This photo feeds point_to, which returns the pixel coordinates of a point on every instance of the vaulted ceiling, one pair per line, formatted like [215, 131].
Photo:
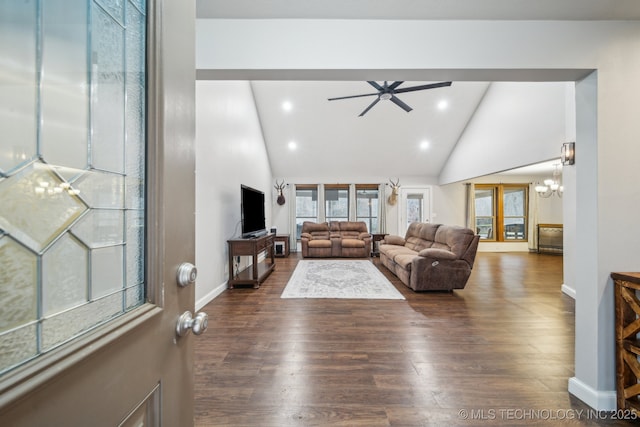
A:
[331, 140]
[330, 137]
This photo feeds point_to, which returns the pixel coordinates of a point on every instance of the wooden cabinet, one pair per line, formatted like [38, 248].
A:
[550, 238]
[376, 238]
[626, 287]
[281, 243]
[258, 271]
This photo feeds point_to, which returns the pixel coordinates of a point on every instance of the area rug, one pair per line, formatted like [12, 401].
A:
[357, 279]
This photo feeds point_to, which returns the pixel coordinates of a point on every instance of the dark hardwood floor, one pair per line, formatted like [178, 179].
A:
[499, 352]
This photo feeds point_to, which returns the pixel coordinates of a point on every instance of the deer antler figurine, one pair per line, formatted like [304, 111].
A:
[280, 187]
[395, 186]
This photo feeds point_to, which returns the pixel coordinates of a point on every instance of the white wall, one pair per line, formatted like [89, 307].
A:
[451, 200]
[282, 214]
[230, 151]
[606, 175]
[448, 205]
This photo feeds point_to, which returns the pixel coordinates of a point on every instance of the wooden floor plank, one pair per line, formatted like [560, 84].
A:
[471, 357]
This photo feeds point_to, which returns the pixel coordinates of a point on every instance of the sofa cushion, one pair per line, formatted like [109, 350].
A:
[394, 240]
[310, 227]
[320, 243]
[320, 235]
[404, 260]
[352, 243]
[421, 235]
[314, 231]
[349, 234]
[453, 238]
[437, 253]
[392, 251]
[356, 226]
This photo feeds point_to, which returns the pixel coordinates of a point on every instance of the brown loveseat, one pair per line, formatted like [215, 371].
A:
[335, 239]
[431, 256]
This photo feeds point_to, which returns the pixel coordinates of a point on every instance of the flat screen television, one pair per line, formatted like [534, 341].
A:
[252, 212]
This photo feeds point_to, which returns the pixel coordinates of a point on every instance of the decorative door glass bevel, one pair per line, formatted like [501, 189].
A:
[107, 90]
[72, 169]
[18, 345]
[68, 324]
[37, 206]
[64, 98]
[18, 91]
[134, 192]
[135, 247]
[115, 8]
[135, 92]
[65, 270]
[18, 286]
[101, 227]
[134, 296]
[107, 270]
[69, 175]
[101, 189]
[141, 5]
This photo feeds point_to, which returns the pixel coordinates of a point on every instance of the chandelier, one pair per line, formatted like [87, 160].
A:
[551, 186]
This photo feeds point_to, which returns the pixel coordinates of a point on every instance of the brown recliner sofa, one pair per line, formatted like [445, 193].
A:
[431, 256]
[335, 239]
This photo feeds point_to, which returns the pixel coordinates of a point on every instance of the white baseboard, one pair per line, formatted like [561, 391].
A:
[568, 291]
[598, 400]
[210, 296]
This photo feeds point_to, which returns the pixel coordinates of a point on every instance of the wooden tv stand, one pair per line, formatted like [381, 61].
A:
[256, 273]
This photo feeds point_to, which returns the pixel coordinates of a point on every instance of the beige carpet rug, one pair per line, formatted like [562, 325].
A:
[355, 279]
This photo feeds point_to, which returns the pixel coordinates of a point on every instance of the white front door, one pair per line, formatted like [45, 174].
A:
[415, 206]
[97, 202]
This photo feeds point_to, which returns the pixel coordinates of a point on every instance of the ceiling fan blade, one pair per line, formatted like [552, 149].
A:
[423, 87]
[376, 85]
[395, 85]
[352, 96]
[400, 104]
[369, 107]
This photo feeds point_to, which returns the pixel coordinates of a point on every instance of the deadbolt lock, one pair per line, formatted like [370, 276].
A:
[186, 274]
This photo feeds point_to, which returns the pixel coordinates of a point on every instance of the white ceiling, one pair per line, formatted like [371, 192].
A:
[332, 141]
[422, 9]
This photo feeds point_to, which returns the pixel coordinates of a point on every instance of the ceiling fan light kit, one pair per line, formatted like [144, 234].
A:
[387, 92]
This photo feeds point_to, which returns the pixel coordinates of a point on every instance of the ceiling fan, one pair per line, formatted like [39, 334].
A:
[389, 91]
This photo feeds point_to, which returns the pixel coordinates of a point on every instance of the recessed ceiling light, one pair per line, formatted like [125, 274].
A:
[424, 145]
[443, 104]
[287, 106]
[292, 145]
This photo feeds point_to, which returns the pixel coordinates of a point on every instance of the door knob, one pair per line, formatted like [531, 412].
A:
[186, 274]
[187, 322]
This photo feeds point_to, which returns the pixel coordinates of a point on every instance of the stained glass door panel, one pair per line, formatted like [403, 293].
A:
[72, 156]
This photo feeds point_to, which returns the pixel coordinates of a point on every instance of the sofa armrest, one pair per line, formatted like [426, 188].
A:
[306, 236]
[364, 236]
[437, 254]
[394, 240]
